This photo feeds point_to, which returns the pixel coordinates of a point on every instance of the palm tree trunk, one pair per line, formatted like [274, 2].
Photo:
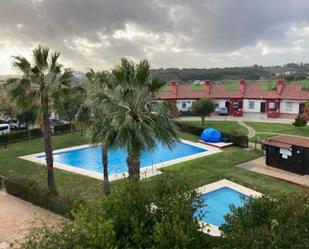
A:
[106, 189]
[134, 163]
[48, 147]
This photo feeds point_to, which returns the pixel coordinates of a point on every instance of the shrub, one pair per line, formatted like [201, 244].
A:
[300, 121]
[20, 136]
[136, 215]
[239, 140]
[63, 128]
[234, 137]
[29, 190]
[269, 222]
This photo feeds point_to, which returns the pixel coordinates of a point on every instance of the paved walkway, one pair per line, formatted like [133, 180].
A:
[258, 165]
[246, 119]
[18, 217]
[251, 131]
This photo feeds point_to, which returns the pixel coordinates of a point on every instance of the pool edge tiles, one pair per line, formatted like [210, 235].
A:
[145, 171]
[224, 183]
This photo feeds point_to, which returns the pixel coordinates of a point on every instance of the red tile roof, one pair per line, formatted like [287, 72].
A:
[291, 91]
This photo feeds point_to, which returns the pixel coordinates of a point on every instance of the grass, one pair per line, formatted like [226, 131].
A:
[224, 126]
[195, 173]
[304, 83]
[165, 88]
[196, 87]
[270, 128]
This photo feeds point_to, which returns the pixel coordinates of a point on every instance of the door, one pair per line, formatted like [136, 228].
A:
[262, 109]
[227, 105]
[301, 108]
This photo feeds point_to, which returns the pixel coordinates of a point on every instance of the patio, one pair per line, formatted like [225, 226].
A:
[258, 165]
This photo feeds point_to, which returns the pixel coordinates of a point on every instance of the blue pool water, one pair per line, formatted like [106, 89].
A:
[91, 159]
[218, 204]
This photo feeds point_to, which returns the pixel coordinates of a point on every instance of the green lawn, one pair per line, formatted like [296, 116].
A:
[195, 173]
[224, 126]
[196, 87]
[277, 128]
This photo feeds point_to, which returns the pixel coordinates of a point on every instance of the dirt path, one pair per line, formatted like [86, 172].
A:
[18, 217]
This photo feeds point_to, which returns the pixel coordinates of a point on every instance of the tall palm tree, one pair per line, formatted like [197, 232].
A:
[130, 107]
[41, 83]
[101, 130]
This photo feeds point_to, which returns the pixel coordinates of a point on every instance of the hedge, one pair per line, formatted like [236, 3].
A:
[31, 134]
[27, 189]
[234, 137]
[63, 128]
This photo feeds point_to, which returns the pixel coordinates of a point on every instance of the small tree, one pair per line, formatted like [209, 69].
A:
[203, 108]
[300, 121]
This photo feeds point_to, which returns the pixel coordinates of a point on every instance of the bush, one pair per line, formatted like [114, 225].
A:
[239, 140]
[300, 121]
[20, 136]
[234, 137]
[29, 190]
[63, 128]
[269, 222]
[136, 215]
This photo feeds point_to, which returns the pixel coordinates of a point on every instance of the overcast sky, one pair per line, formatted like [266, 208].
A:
[170, 33]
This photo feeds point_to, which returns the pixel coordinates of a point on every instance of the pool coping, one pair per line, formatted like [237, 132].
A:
[212, 229]
[148, 171]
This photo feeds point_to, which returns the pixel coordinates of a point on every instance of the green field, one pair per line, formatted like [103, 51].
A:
[195, 173]
[196, 87]
[266, 130]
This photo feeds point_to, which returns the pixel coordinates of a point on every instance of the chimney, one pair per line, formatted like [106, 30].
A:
[207, 86]
[242, 86]
[173, 86]
[280, 86]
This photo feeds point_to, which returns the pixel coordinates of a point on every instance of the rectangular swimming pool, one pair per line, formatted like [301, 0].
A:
[218, 204]
[87, 160]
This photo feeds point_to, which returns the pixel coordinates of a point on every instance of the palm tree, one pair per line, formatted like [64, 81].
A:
[101, 130]
[41, 84]
[130, 107]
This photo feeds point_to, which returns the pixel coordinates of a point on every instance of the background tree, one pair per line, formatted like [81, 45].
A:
[203, 108]
[70, 104]
[41, 84]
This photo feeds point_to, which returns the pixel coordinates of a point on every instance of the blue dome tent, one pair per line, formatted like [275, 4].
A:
[211, 135]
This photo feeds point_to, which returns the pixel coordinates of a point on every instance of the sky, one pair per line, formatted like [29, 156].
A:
[170, 33]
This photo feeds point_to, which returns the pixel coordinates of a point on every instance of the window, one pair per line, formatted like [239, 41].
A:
[289, 106]
[251, 104]
[236, 105]
[216, 105]
[271, 105]
[184, 104]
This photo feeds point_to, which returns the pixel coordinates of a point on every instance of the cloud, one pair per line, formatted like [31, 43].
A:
[170, 33]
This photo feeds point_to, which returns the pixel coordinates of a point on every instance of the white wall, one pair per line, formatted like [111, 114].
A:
[188, 104]
[257, 105]
[294, 106]
[220, 102]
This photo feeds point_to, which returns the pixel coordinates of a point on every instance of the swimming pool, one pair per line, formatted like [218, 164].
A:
[216, 199]
[218, 204]
[87, 160]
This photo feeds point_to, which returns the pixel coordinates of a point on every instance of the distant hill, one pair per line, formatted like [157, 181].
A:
[290, 72]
